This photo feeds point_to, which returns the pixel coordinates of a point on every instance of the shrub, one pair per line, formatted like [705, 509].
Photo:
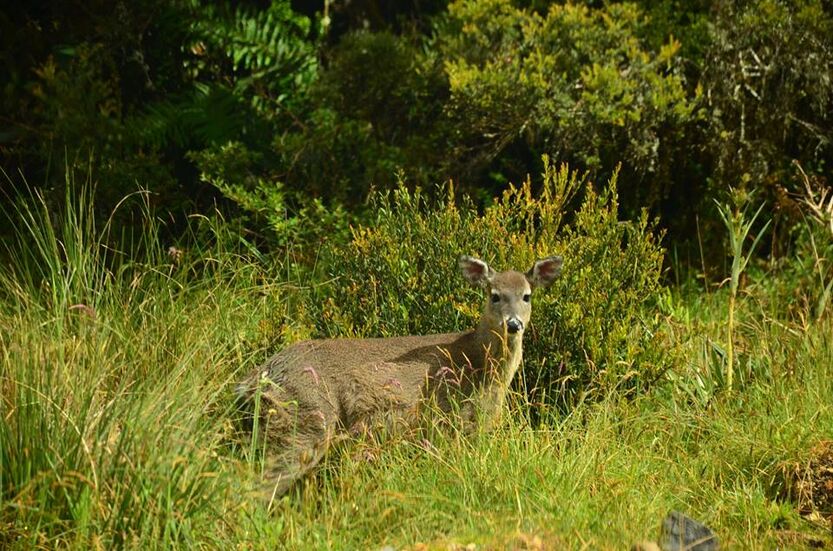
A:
[287, 216]
[767, 77]
[376, 108]
[591, 332]
[576, 81]
[761, 71]
[132, 87]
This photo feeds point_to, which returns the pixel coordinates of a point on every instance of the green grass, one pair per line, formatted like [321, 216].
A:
[117, 423]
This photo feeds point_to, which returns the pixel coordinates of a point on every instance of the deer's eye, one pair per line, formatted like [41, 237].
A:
[526, 297]
[495, 298]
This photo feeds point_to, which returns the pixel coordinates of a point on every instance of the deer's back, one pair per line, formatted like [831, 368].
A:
[353, 379]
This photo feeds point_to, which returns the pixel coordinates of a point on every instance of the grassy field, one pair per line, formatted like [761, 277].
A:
[117, 423]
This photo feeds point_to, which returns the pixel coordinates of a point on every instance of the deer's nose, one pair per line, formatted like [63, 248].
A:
[514, 325]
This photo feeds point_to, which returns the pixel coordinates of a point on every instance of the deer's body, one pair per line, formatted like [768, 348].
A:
[315, 392]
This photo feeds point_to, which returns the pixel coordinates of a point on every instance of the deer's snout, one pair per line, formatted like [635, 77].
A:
[514, 325]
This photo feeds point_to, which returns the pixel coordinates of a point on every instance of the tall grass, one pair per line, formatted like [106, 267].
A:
[601, 477]
[114, 417]
[118, 429]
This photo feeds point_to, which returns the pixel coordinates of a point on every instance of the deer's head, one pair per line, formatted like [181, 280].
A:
[509, 299]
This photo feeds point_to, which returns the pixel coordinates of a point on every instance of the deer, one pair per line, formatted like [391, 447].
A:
[317, 392]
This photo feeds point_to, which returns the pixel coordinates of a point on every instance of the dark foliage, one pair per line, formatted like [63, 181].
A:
[313, 106]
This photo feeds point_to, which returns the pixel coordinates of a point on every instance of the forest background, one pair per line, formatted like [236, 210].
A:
[189, 186]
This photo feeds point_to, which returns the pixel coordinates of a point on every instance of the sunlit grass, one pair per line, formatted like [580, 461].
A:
[114, 376]
[118, 426]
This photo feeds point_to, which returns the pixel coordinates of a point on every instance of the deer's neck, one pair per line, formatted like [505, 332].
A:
[502, 355]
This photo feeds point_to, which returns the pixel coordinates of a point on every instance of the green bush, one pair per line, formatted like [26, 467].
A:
[132, 87]
[576, 81]
[286, 215]
[592, 331]
[376, 110]
[767, 77]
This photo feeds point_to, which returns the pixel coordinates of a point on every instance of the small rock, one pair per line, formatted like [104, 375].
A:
[682, 533]
[645, 546]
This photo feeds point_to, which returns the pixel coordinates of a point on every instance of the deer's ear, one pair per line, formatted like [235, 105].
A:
[544, 272]
[475, 271]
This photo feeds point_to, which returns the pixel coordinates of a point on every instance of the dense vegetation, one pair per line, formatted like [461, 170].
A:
[293, 117]
[192, 185]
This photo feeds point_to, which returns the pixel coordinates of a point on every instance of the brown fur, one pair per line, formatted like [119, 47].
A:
[316, 392]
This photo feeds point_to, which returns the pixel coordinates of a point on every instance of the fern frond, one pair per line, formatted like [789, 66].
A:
[206, 115]
[268, 50]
